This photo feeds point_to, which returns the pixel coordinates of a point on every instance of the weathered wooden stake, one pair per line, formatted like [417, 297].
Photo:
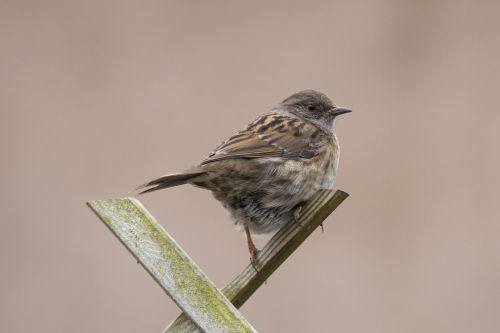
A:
[170, 266]
[274, 253]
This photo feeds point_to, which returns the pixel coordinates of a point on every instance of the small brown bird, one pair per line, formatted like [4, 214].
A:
[265, 173]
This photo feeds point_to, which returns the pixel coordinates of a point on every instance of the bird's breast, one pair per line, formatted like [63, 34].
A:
[332, 163]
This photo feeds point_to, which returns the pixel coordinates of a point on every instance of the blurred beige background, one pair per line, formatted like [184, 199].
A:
[97, 97]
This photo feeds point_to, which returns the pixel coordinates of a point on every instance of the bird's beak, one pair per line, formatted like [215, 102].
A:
[338, 110]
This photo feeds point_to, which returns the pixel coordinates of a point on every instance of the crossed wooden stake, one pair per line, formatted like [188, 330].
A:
[206, 308]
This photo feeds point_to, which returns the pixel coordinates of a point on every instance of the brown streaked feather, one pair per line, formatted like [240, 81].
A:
[169, 181]
[272, 135]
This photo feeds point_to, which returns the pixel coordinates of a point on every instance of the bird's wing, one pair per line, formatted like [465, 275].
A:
[272, 135]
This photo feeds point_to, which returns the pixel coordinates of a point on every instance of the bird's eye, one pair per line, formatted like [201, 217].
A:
[311, 108]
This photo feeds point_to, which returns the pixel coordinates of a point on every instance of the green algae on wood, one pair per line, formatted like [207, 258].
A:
[170, 266]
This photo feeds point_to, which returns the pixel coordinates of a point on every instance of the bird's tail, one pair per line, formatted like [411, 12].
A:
[167, 181]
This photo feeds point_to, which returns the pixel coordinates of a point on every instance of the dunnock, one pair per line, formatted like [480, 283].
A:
[265, 173]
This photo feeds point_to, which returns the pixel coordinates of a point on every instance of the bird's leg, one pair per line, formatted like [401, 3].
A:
[251, 247]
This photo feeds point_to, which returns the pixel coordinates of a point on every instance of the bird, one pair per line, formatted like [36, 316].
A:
[265, 173]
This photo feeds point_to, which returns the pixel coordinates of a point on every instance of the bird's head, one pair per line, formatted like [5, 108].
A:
[314, 106]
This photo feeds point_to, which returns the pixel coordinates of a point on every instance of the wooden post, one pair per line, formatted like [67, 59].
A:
[170, 266]
[276, 251]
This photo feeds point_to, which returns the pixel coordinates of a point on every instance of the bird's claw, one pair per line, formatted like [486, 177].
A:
[254, 253]
[296, 214]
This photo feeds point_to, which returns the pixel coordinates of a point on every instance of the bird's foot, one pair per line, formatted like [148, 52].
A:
[254, 253]
[296, 214]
